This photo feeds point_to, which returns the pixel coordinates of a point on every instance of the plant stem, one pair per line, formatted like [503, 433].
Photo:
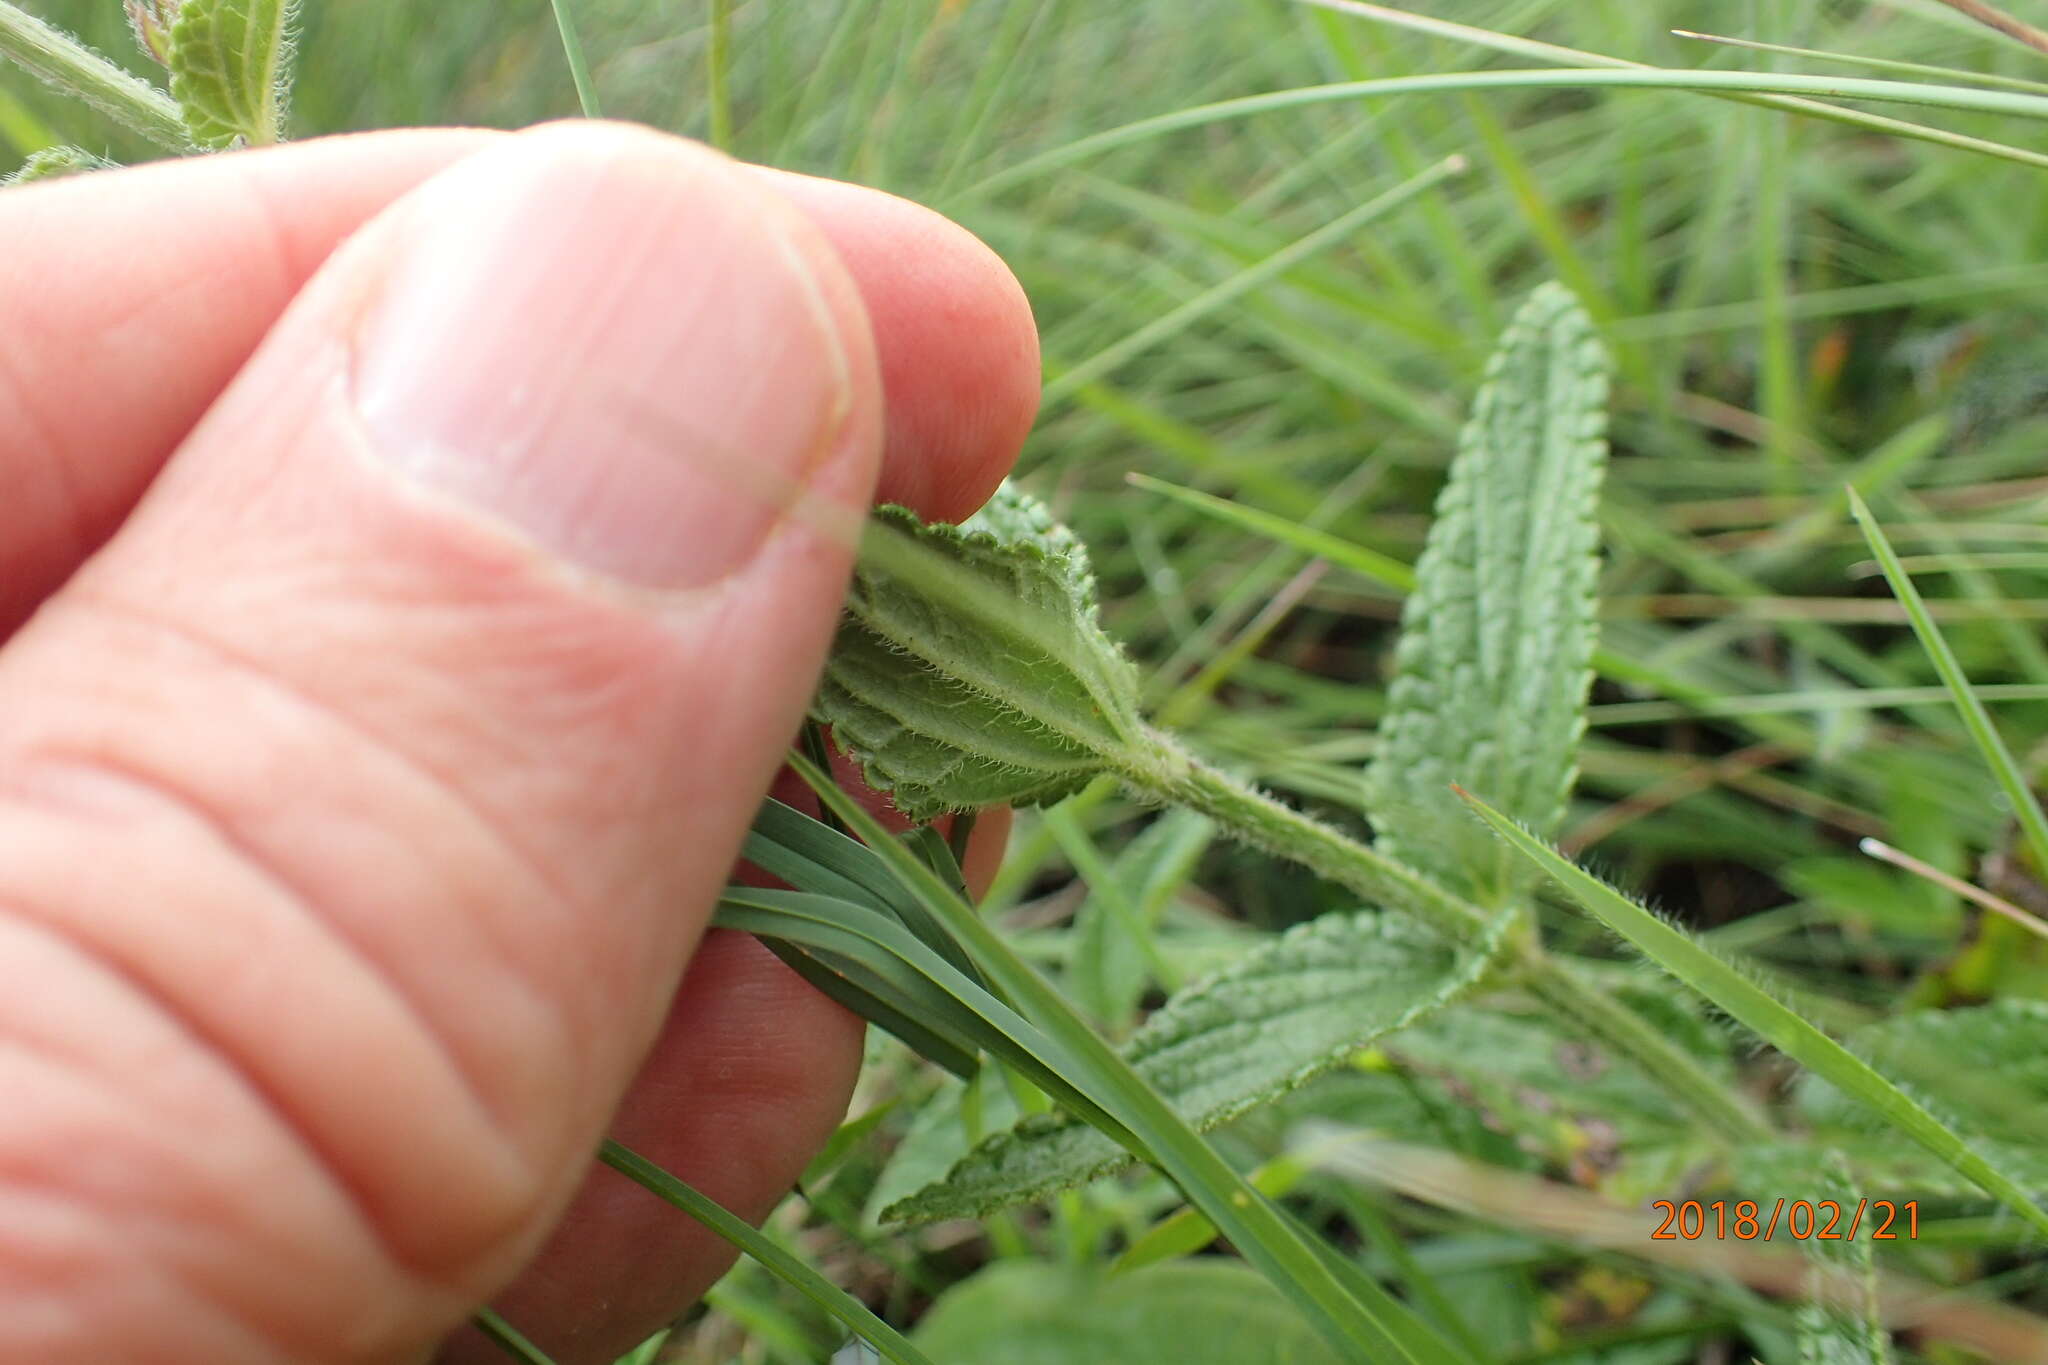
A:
[69, 65]
[1257, 819]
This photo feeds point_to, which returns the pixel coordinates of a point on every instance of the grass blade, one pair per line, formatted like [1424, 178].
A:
[782, 1264]
[901, 970]
[1244, 281]
[1345, 554]
[2011, 779]
[579, 67]
[506, 1337]
[1570, 56]
[1566, 78]
[1683, 957]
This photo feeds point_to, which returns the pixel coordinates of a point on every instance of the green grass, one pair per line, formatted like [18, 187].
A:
[1289, 310]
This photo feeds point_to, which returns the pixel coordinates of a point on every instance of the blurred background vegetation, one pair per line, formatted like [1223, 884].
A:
[1792, 304]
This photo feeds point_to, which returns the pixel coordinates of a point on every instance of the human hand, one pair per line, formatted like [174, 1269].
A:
[418, 620]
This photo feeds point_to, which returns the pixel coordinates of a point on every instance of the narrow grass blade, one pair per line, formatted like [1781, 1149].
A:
[579, 67]
[2011, 779]
[896, 967]
[1683, 957]
[1345, 554]
[813, 857]
[1869, 63]
[718, 75]
[507, 1338]
[1571, 56]
[1278, 263]
[783, 1265]
[1958, 98]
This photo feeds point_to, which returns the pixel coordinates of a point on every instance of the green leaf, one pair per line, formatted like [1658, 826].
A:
[1211, 1312]
[942, 1131]
[230, 63]
[970, 669]
[1497, 639]
[1783, 1028]
[1266, 1024]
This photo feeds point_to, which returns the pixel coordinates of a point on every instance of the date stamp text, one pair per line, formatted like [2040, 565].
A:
[1798, 1220]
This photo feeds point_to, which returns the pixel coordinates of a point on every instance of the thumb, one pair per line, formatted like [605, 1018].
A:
[363, 799]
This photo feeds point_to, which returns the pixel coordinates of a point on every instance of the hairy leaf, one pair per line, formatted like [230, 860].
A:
[56, 163]
[1264, 1025]
[1496, 649]
[970, 669]
[230, 63]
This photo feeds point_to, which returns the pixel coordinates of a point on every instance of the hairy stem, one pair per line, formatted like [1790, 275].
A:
[1257, 819]
[69, 65]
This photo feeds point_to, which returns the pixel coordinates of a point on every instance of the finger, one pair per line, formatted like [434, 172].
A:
[134, 296]
[457, 645]
[958, 348]
[749, 1077]
[104, 369]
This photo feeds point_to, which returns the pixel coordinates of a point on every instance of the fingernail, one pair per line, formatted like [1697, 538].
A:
[612, 343]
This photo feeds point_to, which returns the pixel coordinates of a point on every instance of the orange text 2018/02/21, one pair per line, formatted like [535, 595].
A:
[1800, 1220]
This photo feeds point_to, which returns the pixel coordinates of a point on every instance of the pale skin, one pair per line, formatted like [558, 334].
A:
[356, 846]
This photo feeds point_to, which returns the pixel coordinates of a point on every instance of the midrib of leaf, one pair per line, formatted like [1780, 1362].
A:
[968, 662]
[227, 61]
[959, 728]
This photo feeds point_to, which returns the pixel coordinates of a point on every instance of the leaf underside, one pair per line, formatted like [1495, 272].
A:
[970, 669]
[1495, 658]
[1267, 1023]
[229, 61]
